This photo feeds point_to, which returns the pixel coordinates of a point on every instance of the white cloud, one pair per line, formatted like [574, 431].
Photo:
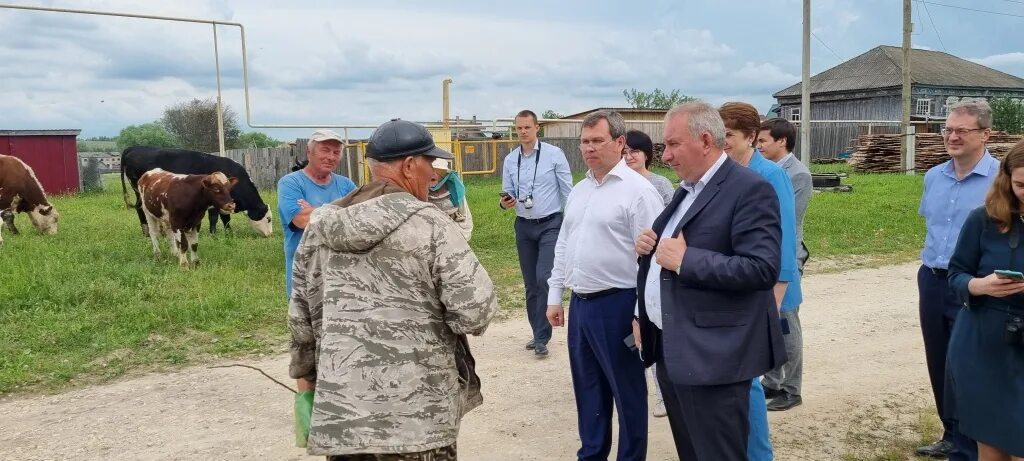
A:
[315, 62]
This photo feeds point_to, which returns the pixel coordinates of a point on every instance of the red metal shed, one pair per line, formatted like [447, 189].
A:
[52, 154]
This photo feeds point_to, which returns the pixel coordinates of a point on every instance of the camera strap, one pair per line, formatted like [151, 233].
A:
[519, 166]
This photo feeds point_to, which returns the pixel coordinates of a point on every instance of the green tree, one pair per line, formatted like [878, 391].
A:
[1007, 115]
[194, 125]
[656, 99]
[148, 134]
[551, 114]
[255, 139]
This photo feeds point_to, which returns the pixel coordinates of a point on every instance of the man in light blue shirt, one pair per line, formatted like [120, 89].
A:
[951, 190]
[300, 192]
[536, 181]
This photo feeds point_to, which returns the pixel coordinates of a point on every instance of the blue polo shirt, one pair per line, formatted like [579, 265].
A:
[789, 272]
[292, 187]
[947, 201]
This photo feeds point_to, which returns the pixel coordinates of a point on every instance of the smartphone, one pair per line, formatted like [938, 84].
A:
[630, 342]
[1007, 274]
[504, 194]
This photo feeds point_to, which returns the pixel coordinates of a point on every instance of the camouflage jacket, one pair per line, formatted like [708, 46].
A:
[384, 292]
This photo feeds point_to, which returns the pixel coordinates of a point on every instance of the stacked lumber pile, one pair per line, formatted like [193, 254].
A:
[880, 153]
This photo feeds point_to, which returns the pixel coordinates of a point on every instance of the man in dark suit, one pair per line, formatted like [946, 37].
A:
[706, 311]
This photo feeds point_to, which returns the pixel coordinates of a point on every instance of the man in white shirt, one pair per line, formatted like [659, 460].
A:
[595, 258]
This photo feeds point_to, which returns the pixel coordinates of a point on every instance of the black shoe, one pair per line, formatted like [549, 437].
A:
[540, 349]
[530, 345]
[770, 393]
[784, 402]
[937, 450]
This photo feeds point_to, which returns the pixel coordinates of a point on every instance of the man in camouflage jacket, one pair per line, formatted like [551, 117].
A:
[385, 290]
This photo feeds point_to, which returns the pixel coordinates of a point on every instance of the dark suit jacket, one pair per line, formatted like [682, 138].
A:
[720, 321]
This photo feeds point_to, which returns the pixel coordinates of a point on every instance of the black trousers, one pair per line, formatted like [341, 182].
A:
[535, 242]
[938, 307]
[709, 423]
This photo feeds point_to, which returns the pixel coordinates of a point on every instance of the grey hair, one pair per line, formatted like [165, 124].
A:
[616, 125]
[701, 117]
[977, 108]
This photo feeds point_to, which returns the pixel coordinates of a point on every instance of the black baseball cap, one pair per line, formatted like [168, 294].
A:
[399, 138]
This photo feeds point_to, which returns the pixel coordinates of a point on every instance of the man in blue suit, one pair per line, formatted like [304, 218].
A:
[706, 310]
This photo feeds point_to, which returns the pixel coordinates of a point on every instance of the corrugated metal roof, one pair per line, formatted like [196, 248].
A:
[40, 132]
[882, 67]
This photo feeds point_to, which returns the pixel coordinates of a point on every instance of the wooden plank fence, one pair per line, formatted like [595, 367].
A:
[267, 165]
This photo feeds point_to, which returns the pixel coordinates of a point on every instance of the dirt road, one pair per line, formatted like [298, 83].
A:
[865, 383]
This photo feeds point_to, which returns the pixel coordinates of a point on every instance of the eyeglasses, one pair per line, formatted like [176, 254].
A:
[594, 143]
[631, 152]
[959, 131]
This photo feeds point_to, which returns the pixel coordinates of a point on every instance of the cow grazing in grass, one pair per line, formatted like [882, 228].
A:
[21, 192]
[139, 159]
[175, 205]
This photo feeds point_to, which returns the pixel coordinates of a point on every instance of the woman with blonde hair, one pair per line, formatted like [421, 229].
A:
[985, 362]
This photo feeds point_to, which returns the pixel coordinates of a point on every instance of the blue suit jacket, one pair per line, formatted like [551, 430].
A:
[720, 322]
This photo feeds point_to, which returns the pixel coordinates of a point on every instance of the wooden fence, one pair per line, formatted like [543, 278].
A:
[479, 158]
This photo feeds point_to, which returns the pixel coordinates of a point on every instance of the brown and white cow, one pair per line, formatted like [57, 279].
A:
[175, 205]
[21, 192]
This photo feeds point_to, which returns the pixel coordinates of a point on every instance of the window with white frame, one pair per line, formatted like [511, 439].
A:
[923, 107]
[794, 114]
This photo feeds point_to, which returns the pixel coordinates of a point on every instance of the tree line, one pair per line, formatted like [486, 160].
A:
[193, 125]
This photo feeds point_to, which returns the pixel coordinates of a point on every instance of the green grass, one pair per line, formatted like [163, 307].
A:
[89, 303]
[878, 218]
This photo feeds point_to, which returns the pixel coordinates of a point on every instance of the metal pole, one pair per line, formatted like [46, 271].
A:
[908, 164]
[220, 102]
[245, 61]
[805, 96]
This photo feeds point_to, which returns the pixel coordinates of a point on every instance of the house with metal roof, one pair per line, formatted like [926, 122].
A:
[867, 89]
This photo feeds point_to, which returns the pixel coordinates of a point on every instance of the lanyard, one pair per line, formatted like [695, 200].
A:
[519, 165]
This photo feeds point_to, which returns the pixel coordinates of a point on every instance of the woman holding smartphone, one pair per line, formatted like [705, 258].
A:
[985, 362]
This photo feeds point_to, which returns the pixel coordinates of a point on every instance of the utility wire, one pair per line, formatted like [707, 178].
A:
[937, 35]
[826, 46]
[972, 9]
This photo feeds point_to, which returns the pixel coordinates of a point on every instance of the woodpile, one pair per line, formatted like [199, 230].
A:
[880, 153]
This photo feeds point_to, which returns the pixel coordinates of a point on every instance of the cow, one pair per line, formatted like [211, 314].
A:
[175, 204]
[21, 192]
[139, 159]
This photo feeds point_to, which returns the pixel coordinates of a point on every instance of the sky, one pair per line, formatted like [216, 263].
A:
[364, 62]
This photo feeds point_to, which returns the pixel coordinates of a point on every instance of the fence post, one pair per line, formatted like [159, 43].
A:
[911, 149]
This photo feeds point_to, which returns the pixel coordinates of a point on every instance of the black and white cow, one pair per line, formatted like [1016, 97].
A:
[136, 161]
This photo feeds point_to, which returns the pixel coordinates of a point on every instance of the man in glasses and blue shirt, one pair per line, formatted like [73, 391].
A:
[951, 190]
[536, 181]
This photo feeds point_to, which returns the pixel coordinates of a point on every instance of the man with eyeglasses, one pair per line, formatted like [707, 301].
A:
[535, 180]
[596, 260]
[951, 190]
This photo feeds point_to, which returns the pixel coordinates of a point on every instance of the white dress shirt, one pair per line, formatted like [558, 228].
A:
[595, 249]
[652, 288]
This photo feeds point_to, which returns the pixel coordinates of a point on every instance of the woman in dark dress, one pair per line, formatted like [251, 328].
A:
[985, 362]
